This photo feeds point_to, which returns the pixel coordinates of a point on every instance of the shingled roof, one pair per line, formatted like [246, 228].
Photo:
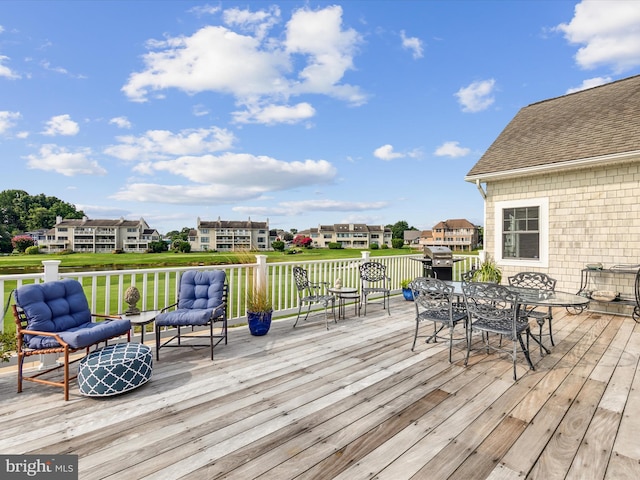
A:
[603, 121]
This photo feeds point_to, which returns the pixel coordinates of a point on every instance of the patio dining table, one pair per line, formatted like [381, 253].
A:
[540, 298]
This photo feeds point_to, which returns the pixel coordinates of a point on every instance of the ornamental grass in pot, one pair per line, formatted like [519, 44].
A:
[259, 311]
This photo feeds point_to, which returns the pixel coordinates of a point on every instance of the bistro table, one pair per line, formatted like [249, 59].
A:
[142, 319]
[540, 298]
[344, 294]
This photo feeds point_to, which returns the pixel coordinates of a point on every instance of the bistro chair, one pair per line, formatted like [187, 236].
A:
[54, 317]
[202, 301]
[493, 308]
[374, 280]
[541, 282]
[434, 302]
[311, 293]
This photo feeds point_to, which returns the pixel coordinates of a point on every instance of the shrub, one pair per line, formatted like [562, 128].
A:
[397, 242]
[278, 246]
[7, 345]
[384, 246]
[374, 246]
[67, 251]
[22, 242]
[335, 245]
[32, 250]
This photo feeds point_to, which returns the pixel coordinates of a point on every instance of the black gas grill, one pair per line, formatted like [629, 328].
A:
[438, 262]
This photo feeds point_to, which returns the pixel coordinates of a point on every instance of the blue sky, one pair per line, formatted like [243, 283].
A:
[302, 113]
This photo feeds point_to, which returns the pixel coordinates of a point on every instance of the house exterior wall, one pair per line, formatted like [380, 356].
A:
[227, 236]
[593, 217]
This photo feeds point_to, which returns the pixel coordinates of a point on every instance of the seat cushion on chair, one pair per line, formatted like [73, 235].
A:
[83, 335]
[184, 317]
[114, 369]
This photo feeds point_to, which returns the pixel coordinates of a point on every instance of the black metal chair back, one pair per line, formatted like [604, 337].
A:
[493, 308]
[374, 279]
[435, 301]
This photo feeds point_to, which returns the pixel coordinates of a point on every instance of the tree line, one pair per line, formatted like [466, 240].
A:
[21, 212]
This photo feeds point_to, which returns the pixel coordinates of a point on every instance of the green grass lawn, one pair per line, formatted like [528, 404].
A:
[107, 261]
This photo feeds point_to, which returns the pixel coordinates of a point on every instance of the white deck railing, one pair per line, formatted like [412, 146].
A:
[159, 286]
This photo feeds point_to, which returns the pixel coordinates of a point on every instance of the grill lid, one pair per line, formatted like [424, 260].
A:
[438, 252]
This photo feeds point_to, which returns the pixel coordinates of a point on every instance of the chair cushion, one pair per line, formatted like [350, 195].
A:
[83, 335]
[61, 307]
[54, 306]
[184, 317]
[201, 289]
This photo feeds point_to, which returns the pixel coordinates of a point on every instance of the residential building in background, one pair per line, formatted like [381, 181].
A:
[349, 235]
[229, 235]
[457, 234]
[98, 236]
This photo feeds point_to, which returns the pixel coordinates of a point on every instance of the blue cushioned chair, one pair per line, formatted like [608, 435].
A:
[202, 300]
[54, 317]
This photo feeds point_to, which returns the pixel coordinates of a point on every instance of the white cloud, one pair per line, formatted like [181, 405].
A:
[385, 152]
[7, 120]
[226, 178]
[412, 43]
[477, 96]
[120, 122]
[609, 32]
[273, 114]
[258, 71]
[451, 149]
[161, 144]
[53, 158]
[61, 125]
[6, 71]
[259, 23]
[590, 83]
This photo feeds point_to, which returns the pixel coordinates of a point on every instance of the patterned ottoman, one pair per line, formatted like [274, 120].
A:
[114, 369]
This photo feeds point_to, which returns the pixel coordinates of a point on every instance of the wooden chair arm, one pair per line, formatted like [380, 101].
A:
[44, 334]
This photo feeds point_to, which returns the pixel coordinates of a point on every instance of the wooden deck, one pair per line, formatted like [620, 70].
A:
[351, 403]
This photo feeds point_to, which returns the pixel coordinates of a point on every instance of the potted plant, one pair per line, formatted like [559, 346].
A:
[259, 311]
[406, 290]
[488, 271]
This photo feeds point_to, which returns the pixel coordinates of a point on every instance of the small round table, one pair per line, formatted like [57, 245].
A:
[142, 319]
[344, 294]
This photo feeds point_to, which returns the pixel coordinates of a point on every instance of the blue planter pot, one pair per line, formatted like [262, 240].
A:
[408, 294]
[259, 322]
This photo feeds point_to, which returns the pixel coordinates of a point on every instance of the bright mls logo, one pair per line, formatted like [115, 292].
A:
[50, 467]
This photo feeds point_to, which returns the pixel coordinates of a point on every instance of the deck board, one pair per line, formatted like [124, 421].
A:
[354, 402]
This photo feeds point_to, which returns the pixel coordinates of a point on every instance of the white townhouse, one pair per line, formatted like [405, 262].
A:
[229, 235]
[98, 236]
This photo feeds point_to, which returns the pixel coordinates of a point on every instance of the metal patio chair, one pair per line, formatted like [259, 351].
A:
[311, 293]
[493, 308]
[434, 302]
[374, 280]
[536, 281]
[202, 301]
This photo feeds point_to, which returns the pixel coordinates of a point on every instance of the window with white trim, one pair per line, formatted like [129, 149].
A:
[522, 232]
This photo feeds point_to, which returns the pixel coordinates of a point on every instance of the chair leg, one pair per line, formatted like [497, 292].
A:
[157, 343]
[211, 337]
[525, 350]
[550, 331]
[66, 374]
[415, 336]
